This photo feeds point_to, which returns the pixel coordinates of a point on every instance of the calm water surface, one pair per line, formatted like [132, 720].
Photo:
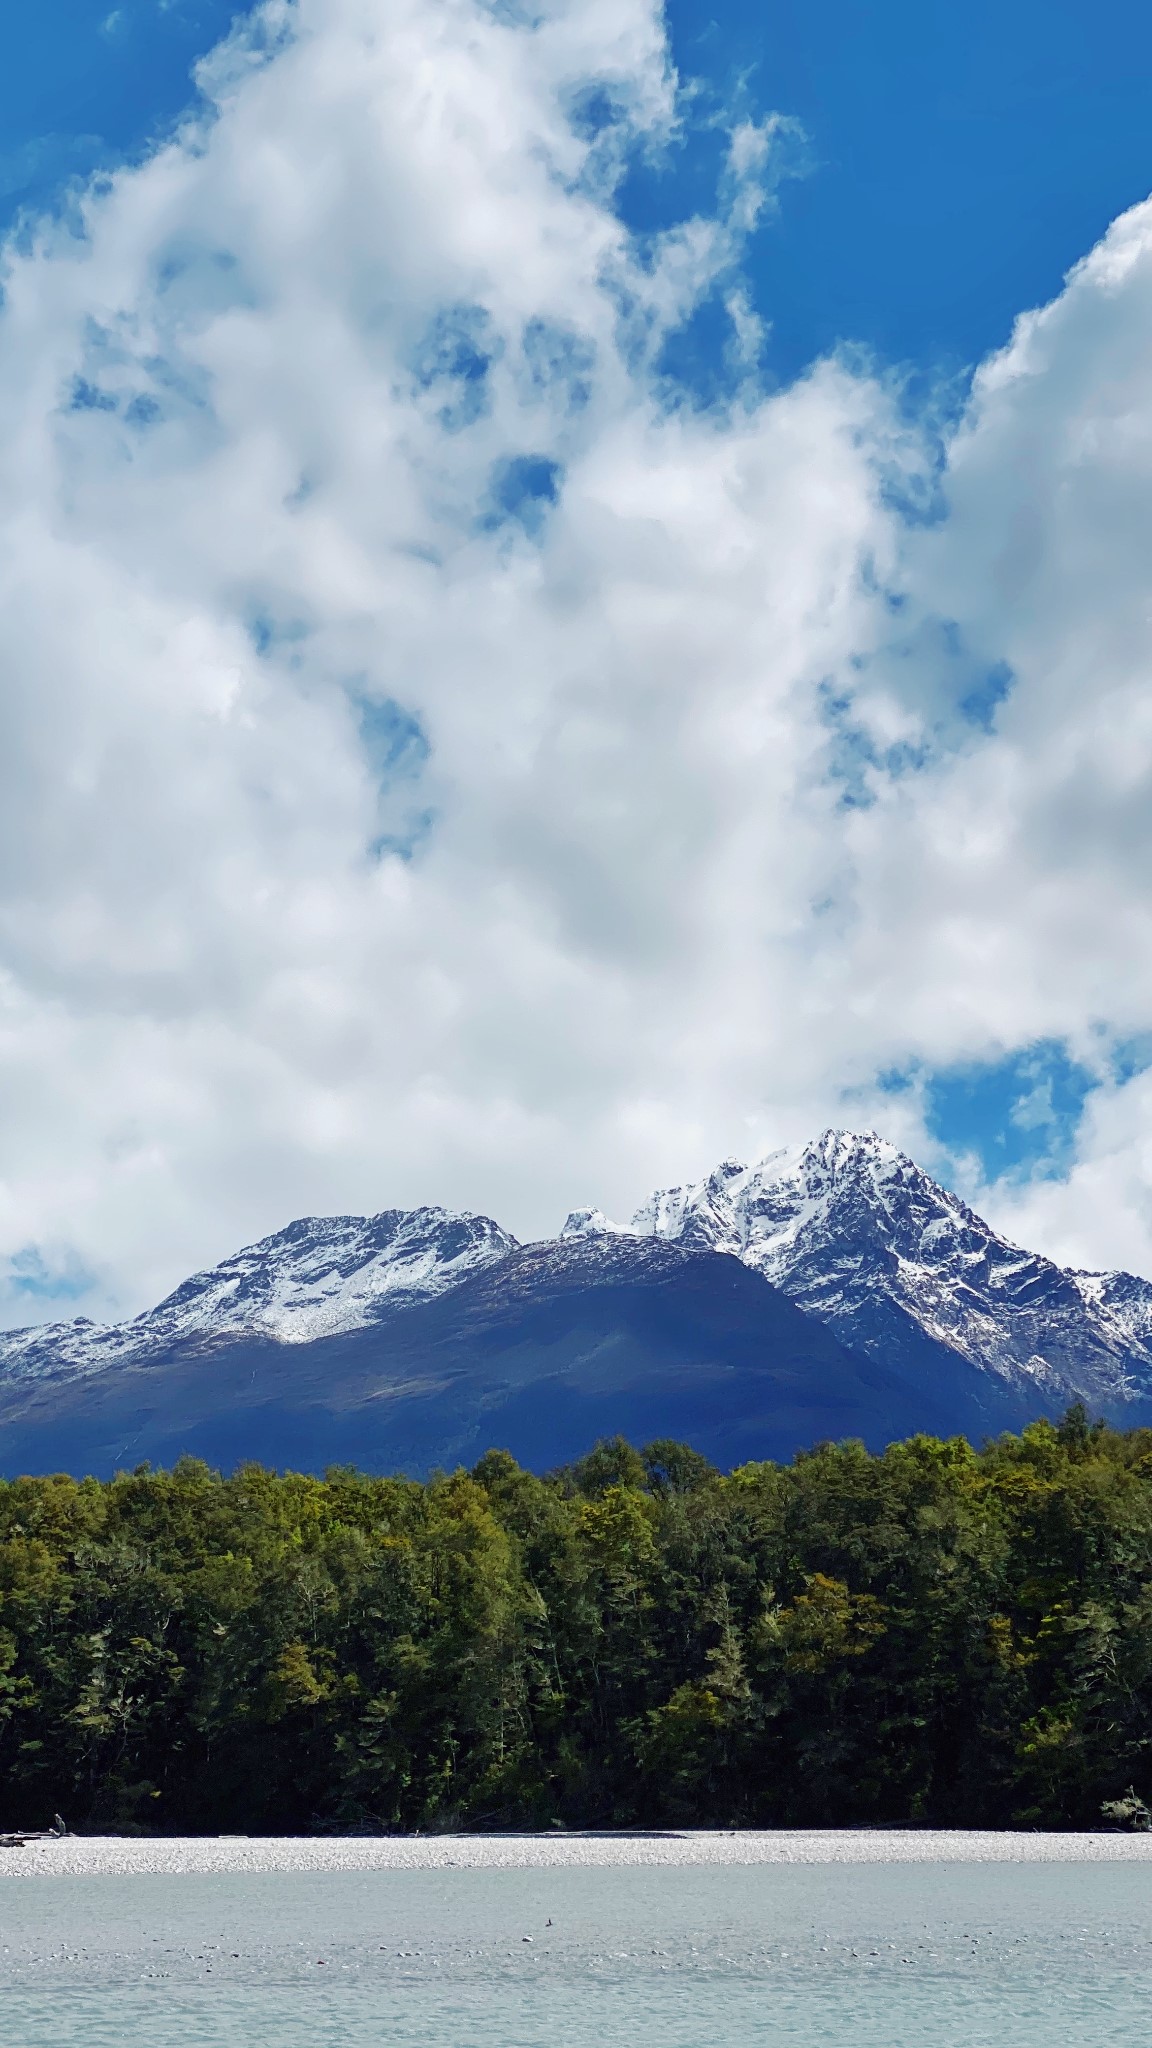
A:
[922, 1956]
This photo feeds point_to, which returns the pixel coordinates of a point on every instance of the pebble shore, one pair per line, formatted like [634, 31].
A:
[229, 1855]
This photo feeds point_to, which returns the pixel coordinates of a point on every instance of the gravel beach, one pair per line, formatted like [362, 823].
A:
[120, 1856]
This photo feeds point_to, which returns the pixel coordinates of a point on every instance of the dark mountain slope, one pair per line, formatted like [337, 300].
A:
[559, 1344]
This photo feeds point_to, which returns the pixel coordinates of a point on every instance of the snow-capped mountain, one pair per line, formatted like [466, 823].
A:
[320, 1277]
[856, 1233]
[830, 1290]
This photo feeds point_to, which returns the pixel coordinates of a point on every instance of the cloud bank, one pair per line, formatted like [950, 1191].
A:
[440, 761]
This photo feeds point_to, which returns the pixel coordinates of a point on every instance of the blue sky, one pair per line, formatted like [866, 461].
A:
[964, 156]
[959, 158]
[1016, 1115]
[84, 86]
[424, 745]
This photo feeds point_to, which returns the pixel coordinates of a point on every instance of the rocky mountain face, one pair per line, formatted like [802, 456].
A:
[857, 1234]
[834, 1289]
[319, 1277]
[542, 1354]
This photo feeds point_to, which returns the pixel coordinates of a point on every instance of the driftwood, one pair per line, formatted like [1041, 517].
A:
[25, 1835]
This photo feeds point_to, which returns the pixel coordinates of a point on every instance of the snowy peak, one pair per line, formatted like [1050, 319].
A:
[848, 1226]
[839, 1183]
[857, 1233]
[591, 1223]
[844, 1193]
[1122, 1300]
[326, 1274]
[320, 1277]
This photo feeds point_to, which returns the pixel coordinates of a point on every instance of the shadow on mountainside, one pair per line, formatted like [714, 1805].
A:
[540, 1355]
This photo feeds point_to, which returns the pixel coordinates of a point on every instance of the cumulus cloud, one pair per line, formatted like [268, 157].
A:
[440, 762]
[1007, 880]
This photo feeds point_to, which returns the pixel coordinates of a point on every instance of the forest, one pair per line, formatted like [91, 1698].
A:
[938, 1635]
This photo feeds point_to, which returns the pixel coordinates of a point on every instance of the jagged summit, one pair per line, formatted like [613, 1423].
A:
[838, 1178]
[901, 1272]
[326, 1273]
[854, 1231]
[593, 1223]
[319, 1277]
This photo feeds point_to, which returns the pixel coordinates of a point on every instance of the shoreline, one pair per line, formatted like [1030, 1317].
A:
[238, 1855]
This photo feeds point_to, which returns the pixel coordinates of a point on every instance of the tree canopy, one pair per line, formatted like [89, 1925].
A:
[937, 1635]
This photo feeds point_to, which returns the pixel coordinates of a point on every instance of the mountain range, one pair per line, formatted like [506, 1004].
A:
[833, 1289]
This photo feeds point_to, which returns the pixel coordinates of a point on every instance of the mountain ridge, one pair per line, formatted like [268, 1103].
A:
[853, 1230]
[317, 1277]
[875, 1303]
[563, 1344]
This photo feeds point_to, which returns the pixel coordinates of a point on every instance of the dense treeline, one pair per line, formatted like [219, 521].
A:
[935, 1635]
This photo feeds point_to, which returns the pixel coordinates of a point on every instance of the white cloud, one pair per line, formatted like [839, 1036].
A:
[1006, 887]
[267, 428]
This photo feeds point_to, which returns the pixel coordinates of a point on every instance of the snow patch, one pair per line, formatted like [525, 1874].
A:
[320, 1277]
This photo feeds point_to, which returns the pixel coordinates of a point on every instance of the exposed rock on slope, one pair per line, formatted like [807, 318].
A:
[319, 1277]
[831, 1290]
[856, 1233]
